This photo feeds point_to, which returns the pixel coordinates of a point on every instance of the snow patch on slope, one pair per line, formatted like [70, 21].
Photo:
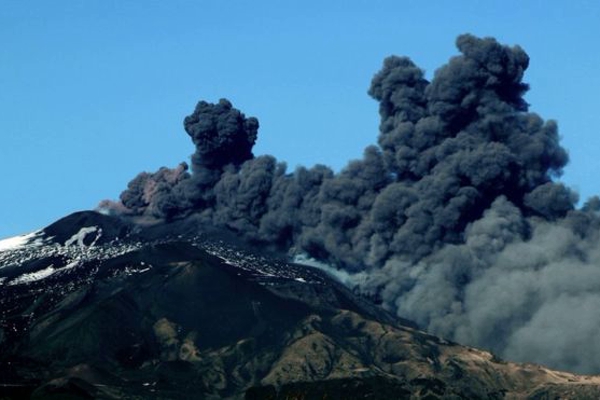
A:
[33, 276]
[20, 241]
[80, 236]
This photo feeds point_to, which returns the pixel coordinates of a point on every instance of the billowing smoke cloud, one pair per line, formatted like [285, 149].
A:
[452, 220]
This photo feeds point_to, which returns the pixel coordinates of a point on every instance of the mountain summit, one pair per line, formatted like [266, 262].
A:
[93, 307]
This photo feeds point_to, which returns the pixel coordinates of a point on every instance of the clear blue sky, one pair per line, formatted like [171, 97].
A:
[93, 92]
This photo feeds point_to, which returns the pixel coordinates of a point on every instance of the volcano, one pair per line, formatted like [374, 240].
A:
[95, 307]
[185, 287]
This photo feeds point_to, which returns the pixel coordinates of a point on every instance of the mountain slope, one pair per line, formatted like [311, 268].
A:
[92, 307]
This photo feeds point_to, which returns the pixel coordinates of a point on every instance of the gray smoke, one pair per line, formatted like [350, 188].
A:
[452, 220]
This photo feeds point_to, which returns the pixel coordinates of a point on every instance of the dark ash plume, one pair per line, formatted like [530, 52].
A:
[222, 135]
[453, 220]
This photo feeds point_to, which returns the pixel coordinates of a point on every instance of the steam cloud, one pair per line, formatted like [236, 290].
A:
[453, 220]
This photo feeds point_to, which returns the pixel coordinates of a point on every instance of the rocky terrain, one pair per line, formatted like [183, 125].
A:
[91, 307]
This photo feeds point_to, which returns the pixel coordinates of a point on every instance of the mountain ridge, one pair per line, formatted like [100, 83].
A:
[130, 313]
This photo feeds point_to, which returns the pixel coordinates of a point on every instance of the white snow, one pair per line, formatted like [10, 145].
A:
[33, 276]
[79, 237]
[70, 265]
[18, 241]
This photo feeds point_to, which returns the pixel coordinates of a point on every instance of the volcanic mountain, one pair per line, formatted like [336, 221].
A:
[95, 307]
[183, 287]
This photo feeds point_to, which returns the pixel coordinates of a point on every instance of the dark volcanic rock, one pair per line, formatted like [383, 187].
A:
[101, 228]
[161, 313]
